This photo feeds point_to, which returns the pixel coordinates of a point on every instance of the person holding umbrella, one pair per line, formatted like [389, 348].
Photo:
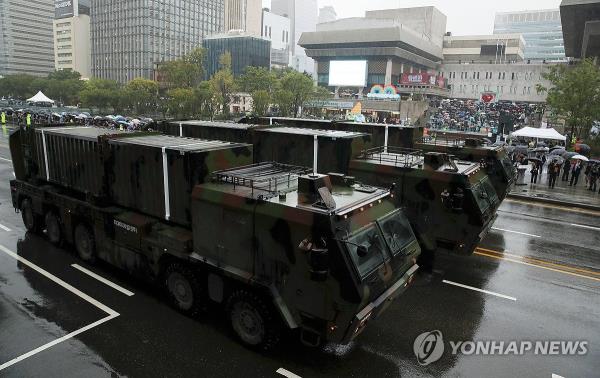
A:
[566, 170]
[593, 177]
[575, 174]
[535, 170]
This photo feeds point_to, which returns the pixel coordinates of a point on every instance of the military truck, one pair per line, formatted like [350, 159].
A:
[276, 245]
[450, 203]
[382, 134]
[428, 185]
[464, 146]
[495, 159]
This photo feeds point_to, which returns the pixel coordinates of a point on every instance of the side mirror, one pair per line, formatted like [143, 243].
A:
[362, 251]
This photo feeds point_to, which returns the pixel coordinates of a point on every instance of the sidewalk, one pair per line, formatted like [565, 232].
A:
[562, 194]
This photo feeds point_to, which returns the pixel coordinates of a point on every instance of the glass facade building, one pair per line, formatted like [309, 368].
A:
[245, 51]
[26, 37]
[542, 31]
[130, 36]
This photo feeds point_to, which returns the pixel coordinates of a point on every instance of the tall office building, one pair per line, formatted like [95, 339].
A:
[303, 15]
[541, 29]
[130, 36]
[243, 15]
[276, 29]
[26, 43]
[327, 14]
[72, 47]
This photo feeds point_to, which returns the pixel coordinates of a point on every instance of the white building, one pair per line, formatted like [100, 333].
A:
[327, 14]
[507, 81]
[276, 28]
[303, 15]
[72, 46]
[243, 15]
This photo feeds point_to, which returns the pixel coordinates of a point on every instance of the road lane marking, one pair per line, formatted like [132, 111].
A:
[480, 290]
[543, 262]
[557, 376]
[5, 228]
[57, 341]
[515, 232]
[287, 373]
[103, 280]
[537, 266]
[564, 208]
[586, 227]
[5, 159]
[111, 313]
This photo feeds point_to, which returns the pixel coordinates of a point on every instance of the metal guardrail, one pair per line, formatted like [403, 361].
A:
[268, 177]
[399, 157]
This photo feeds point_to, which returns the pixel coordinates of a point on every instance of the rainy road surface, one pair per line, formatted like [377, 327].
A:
[536, 277]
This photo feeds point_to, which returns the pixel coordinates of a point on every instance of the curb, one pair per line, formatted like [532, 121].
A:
[553, 202]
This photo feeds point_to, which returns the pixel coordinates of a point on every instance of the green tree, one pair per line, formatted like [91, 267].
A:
[181, 102]
[17, 86]
[302, 88]
[99, 93]
[261, 100]
[574, 94]
[205, 99]
[284, 99]
[186, 72]
[143, 94]
[64, 86]
[223, 84]
[257, 79]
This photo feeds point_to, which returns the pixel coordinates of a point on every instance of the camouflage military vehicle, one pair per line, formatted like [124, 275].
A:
[450, 203]
[277, 247]
[382, 134]
[495, 159]
[429, 193]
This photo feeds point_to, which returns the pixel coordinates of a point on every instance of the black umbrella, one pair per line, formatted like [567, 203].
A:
[558, 152]
[559, 160]
[568, 155]
[535, 160]
[583, 149]
[557, 148]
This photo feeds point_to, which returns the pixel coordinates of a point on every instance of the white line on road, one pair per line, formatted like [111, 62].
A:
[5, 159]
[103, 280]
[515, 232]
[112, 314]
[479, 290]
[287, 373]
[557, 376]
[57, 341]
[584, 226]
[5, 228]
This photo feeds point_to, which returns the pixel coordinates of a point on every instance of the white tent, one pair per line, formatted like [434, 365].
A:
[531, 132]
[40, 97]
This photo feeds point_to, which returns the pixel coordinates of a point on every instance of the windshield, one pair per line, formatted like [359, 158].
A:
[481, 197]
[370, 238]
[492, 196]
[509, 169]
[396, 231]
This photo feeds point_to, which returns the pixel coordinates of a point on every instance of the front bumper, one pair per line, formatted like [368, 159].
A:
[379, 305]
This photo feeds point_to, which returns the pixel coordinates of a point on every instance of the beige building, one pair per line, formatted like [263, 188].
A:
[72, 48]
[244, 15]
[496, 48]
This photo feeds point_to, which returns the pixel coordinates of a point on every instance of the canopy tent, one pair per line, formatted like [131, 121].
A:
[531, 132]
[40, 97]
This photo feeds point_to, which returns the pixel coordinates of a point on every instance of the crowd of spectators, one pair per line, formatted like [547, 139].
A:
[477, 116]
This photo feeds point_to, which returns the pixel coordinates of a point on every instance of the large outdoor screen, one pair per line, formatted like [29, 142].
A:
[348, 73]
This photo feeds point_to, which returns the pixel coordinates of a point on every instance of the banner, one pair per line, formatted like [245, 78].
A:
[423, 78]
[63, 8]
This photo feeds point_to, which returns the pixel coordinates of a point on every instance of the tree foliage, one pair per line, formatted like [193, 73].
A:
[186, 72]
[100, 93]
[261, 100]
[302, 88]
[574, 94]
[257, 79]
[143, 93]
[223, 83]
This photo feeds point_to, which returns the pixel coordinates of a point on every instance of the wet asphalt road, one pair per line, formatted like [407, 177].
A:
[547, 276]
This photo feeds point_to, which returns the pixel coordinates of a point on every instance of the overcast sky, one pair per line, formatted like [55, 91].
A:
[464, 16]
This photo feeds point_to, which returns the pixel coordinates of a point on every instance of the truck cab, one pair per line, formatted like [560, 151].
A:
[495, 159]
[450, 203]
[330, 252]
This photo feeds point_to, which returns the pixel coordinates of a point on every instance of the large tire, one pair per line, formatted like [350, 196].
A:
[85, 243]
[253, 320]
[184, 289]
[53, 228]
[31, 220]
